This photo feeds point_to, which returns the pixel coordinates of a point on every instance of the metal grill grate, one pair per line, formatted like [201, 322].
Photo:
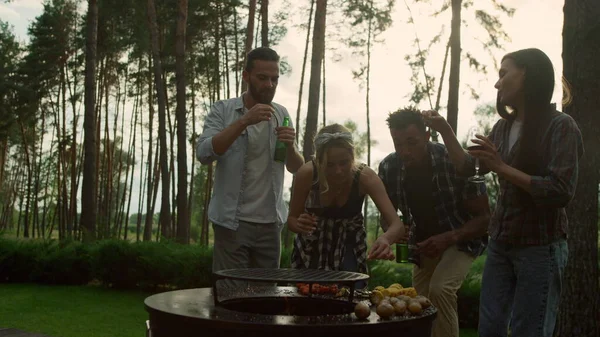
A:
[291, 275]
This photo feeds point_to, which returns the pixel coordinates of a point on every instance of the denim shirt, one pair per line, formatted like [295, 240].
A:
[228, 191]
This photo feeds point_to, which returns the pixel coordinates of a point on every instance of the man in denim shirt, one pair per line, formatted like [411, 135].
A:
[247, 207]
[448, 216]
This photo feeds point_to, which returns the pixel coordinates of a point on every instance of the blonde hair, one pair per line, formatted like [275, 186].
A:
[567, 92]
[333, 135]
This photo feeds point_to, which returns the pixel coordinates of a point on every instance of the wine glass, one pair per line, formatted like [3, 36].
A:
[313, 206]
[472, 134]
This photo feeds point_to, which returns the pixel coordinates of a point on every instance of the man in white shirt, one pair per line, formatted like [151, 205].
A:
[247, 207]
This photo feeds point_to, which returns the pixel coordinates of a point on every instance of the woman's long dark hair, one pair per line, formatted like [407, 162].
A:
[538, 88]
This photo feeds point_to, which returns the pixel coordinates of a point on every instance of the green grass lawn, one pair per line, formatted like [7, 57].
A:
[74, 311]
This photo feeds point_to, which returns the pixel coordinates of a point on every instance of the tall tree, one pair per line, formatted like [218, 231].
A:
[314, 90]
[300, 90]
[249, 34]
[455, 49]
[10, 52]
[580, 305]
[183, 221]
[165, 209]
[88, 190]
[264, 26]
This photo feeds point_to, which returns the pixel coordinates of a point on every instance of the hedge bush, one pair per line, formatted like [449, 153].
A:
[158, 266]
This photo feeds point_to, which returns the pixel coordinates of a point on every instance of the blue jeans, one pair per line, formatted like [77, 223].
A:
[521, 285]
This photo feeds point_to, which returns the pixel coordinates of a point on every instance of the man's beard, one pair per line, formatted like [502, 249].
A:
[264, 97]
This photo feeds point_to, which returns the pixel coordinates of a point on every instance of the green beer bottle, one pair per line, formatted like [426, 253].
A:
[402, 248]
[281, 147]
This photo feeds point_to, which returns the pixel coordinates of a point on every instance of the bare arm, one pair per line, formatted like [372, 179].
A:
[298, 221]
[294, 160]
[457, 154]
[373, 186]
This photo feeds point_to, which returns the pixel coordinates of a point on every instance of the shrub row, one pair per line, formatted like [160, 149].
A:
[157, 266]
[118, 264]
[115, 263]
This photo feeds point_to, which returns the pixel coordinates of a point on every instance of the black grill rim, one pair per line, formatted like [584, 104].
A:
[290, 275]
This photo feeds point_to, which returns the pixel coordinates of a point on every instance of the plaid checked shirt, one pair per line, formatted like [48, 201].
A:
[449, 190]
[327, 247]
[544, 221]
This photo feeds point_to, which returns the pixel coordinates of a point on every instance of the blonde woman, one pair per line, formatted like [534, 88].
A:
[335, 239]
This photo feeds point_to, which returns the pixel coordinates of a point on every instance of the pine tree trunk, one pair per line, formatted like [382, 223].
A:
[108, 166]
[29, 175]
[580, 306]
[131, 167]
[150, 167]
[455, 48]
[237, 57]
[225, 49]
[249, 34]
[318, 49]
[193, 169]
[367, 104]
[100, 93]
[3, 155]
[324, 90]
[264, 31]
[183, 221]
[121, 188]
[308, 27]
[165, 209]
[434, 134]
[63, 155]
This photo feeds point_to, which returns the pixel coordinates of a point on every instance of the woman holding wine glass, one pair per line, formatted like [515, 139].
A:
[326, 208]
[473, 146]
[535, 150]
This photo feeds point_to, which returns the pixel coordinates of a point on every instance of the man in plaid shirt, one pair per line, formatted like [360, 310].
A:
[447, 215]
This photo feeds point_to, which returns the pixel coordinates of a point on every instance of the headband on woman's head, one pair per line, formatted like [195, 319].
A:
[325, 138]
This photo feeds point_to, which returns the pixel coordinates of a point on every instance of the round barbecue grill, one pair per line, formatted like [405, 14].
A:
[259, 311]
[284, 275]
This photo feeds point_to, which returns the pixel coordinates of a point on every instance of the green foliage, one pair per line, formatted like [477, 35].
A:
[9, 56]
[65, 263]
[17, 258]
[489, 31]
[385, 273]
[368, 19]
[152, 265]
[116, 263]
[113, 263]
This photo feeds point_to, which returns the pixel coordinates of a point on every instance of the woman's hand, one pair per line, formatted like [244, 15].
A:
[438, 123]
[488, 155]
[304, 224]
[381, 250]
